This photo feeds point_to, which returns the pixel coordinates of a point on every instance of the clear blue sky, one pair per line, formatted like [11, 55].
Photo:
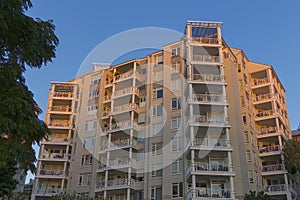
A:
[266, 30]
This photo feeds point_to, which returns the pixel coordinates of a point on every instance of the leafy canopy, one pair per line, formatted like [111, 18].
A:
[24, 42]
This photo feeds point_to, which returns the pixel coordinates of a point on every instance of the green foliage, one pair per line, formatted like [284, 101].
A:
[291, 153]
[259, 196]
[68, 196]
[24, 41]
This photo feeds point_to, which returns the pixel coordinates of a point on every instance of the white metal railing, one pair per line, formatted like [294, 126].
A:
[262, 97]
[125, 107]
[206, 40]
[267, 131]
[126, 75]
[206, 58]
[116, 183]
[207, 77]
[271, 168]
[50, 172]
[257, 82]
[275, 148]
[211, 166]
[55, 155]
[124, 91]
[61, 108]
[275, 188]
[265, 113]
[120, 125]
[122, 143]
[61, 123]
[210, 193]
[209, 119]
[107, 97]
[48, 190]
[207, 98]
[209, 142]
[58, 139]
[63, 94]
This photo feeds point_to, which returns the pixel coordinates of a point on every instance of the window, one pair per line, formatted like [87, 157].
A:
[250, 177]
[177, 144]
[157, 111]
[176, 85]
[177, 166]
[176, 51]
[177, 190]
[157, 129]
[244, 118]
[158, 93]
[157, 76]
[90, 125]
[156, 193]
[140, 155]
[142, 118]
[95, 79]
[156, 170]
[94, 94]
[84, 180]
[141, 136]
[86, 160]
[139, 175]
[175, 123]
[89, 142]
[246, 136]
[248, 155]
[156, 149]
[176, 103]
[176, 68]
[92, 109]
[143, 101]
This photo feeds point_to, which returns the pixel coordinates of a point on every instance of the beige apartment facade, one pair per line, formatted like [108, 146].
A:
[181, 123]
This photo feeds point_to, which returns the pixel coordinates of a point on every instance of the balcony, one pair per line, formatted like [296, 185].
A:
[51, 173]
[273, 169]
[124, 108]
[107, 98]
[127, 75]
[116, 164]
[260, 82]
[48, 190]
[270, 150]
[205, 40]
[55, 156]
[264, 114]
[61, 108]
[118, 144]
[262, 98]
[210, 144]
[207, 193]
[122, 183]
[59, 124]
[207, 99]
[207, 78]
[209, 169]
[120, 126]
[57, 140]
[279, 189]
[63, 94]
[202, 120]
[206, 59]
[124, 92]
[106, 114]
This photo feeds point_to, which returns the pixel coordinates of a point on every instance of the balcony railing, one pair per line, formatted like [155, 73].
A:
[272, 168]
[125, 91]
[207, 119]
[209, 193]
[55, 155]
[262, 97]
[61, 108]
[126, 75]
[207, 98]
[206, 58]
[60, 123]
[265, 113]
[48, 172]
[63, 94]
[209, 142]
[257, 82]
[120, 125]
[57, 140]
[275, 188]
[106, 113]
[207, 77]
[125, 107]
[123, 182]
[118, 144]
[267, 131]
[107, 97]
[206, 40]
[270, 149]
[209, 167]
[48, 190]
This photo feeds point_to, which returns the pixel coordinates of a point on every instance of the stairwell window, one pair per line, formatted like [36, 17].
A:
[177, 190]
[158, 93]
[176, 103]
[175, 123]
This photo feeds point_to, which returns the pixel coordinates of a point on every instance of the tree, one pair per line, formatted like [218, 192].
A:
[291, 153]
[259, 196]
[24, 42]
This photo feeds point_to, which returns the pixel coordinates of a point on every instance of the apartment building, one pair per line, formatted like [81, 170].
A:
[191, 121]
